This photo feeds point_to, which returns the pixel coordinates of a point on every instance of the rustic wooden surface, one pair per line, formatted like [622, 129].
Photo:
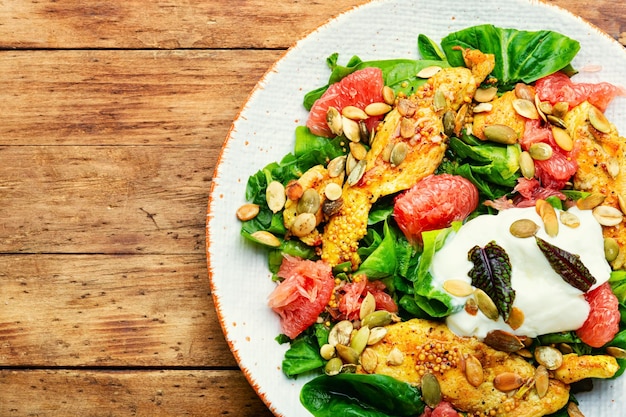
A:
[113, 114]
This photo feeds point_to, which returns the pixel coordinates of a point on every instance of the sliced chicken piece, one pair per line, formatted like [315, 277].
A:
[427, 346]
[408, 146]
[601, 159]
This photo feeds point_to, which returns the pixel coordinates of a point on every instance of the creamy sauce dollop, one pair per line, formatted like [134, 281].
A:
[548, 302]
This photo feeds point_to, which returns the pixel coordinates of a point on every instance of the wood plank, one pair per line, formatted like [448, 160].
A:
[176, 393]
[200, 24]
[163, 23]
[108, 311]
[125, 97]
[99, 199]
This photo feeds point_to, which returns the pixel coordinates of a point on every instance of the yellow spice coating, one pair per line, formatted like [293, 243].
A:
[601, 159]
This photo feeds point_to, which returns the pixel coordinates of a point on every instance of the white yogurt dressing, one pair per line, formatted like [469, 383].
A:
[548, 302]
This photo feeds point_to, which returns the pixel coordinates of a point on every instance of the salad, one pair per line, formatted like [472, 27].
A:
[430, 194]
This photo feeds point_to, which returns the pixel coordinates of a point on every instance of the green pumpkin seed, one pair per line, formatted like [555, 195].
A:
[359, 340]
[347, 354]
[486, 305]
[611, 249]
[500, 134]
[449, 123]
[556, 121]
[398, 153]
[333, 366]
[309, 202]
[527, 165]
[334, 121]
[377, 318]
[439, 101]
[540, 151]
[560, 109]
[598, 120]
[431, 390]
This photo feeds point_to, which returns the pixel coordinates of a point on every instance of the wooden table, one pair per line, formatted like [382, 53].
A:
[112, 116]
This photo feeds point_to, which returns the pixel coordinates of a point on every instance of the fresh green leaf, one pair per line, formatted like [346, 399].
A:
[520, 55]
[428, 49]
[618, 285]
[303, 356]
[434, 302]
[498, 164]
[360, 395]
[620, 341]
[492, 274]
[382, 261]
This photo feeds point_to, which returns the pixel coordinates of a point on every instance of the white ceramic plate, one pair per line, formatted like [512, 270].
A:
[264, 132]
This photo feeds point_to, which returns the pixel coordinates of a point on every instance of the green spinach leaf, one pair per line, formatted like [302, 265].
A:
[520, 55]
[359, 395]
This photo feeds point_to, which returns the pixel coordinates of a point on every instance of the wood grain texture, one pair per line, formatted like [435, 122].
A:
[119, 98]
[167, 24]
[98, 199]
[87, 310]
[170, 24]
[86, 393]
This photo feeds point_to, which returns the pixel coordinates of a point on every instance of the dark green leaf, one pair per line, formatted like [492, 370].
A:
[520, 55]
[359, 395]
[567, 265]
[492, 274]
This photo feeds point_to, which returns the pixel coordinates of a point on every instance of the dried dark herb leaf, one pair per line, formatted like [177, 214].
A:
[567, 265]
[492, 274]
